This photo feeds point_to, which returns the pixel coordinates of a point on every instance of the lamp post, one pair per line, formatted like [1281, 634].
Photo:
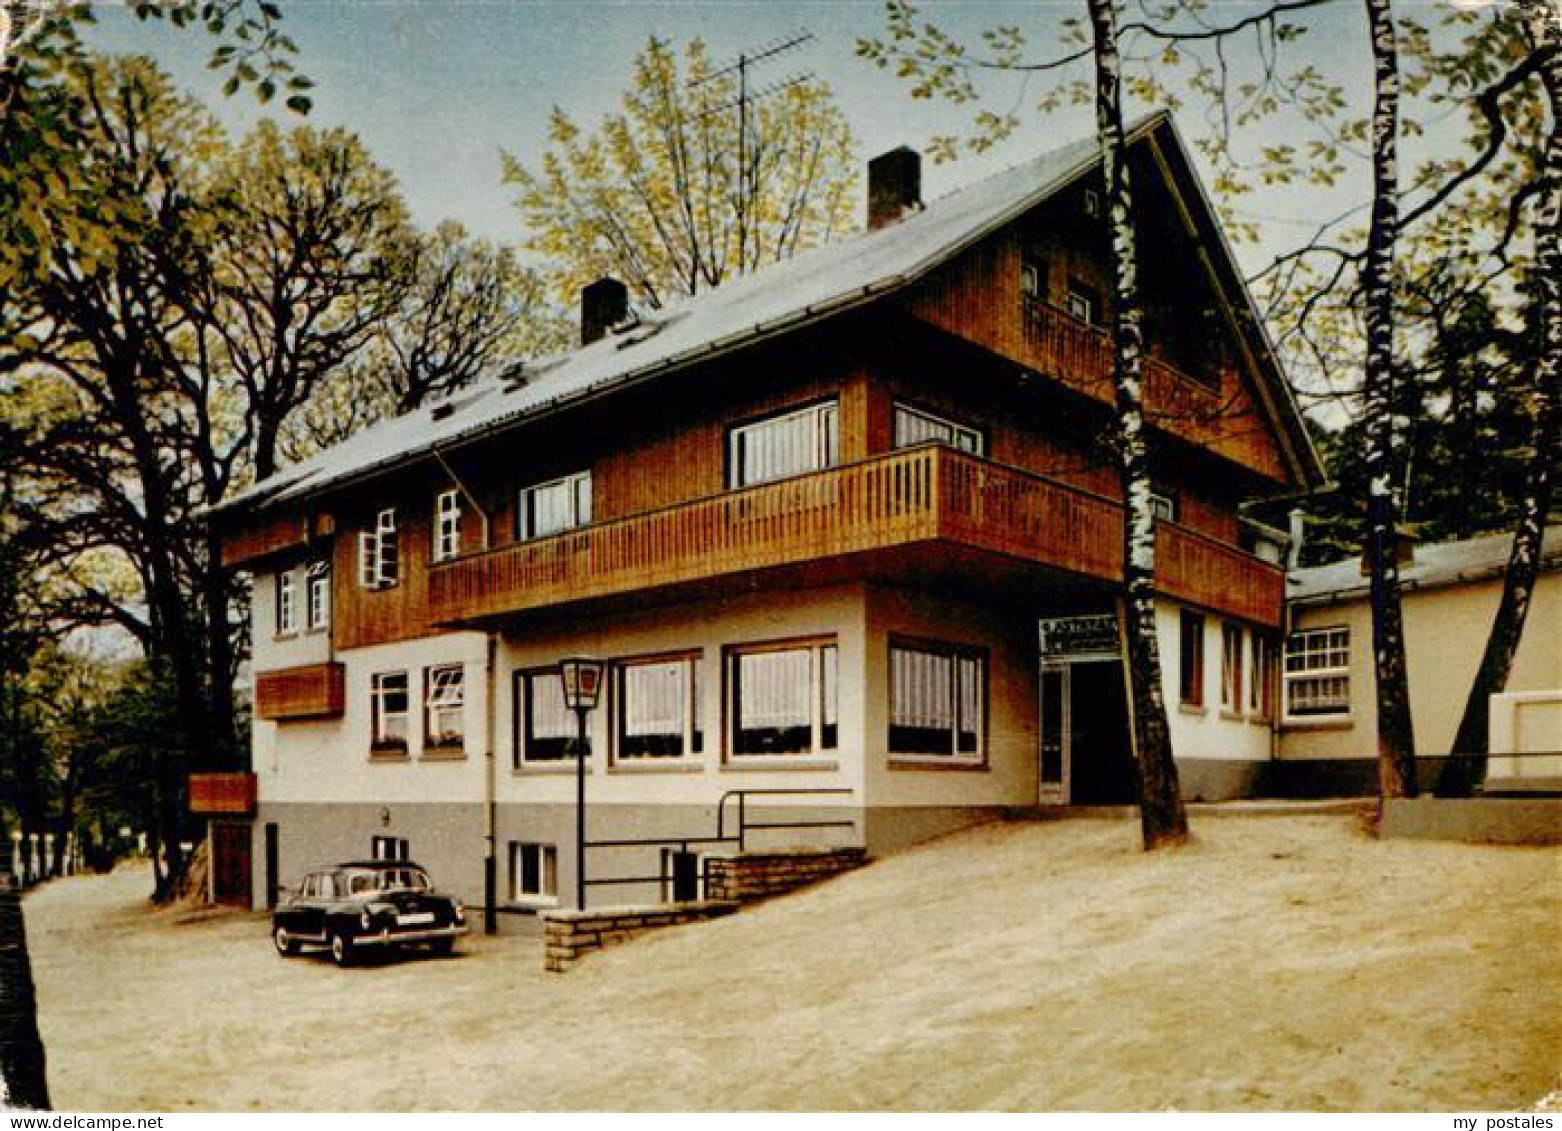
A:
[582, 680]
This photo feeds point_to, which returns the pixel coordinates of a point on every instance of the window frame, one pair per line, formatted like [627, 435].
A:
[1033, 280]
[1291, 677]
[955, 652]
[1165, 506]
[1233, 655]
[521, 721]
[547, 854]
[580, 516]
[379, 552]
[693, 736]
[1090, 297]
[822, 678]
[446, 543]
[381, 745]
[1192, 697]
[317, 582]
[389, 848]
[1261, 676]
[431, 736]
[979, 435]
[826, 441]
[287, 602]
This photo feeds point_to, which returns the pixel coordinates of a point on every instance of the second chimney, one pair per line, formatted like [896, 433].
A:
[894, 186]
[603, 304]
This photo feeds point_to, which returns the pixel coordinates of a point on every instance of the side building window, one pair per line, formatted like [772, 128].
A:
[1317, 673]
[389, 711]
[287, 602]
[318, 595]
[937, 700]
[782, 699]
[1190, 670]
[389, 848]
[545, 729]
[914, 426]
[534, 873]
[779, 447]
[657, 709]
[444, 709]
[559, 504]
[447, 525]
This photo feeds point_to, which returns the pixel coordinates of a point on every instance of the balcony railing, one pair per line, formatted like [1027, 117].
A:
[214, 795]
[309, 691]
[919, 495]
[1063, 345]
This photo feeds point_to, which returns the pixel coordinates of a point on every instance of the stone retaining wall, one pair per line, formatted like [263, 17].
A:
[751, 876]
[568, 936]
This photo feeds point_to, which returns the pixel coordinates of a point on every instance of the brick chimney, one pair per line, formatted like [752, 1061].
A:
[894, 187]
[603, 304]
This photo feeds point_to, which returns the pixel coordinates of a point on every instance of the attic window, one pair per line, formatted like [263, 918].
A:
[1092, 203]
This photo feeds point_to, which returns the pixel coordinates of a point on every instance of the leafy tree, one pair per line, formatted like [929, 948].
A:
[683, 188]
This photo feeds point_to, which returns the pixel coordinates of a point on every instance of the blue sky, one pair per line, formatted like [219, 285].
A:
[436, 88]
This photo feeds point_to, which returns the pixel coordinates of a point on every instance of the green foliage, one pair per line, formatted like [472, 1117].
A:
[672, 194]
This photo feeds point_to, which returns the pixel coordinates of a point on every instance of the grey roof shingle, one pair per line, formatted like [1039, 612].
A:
[1439, 563]
[807, 287]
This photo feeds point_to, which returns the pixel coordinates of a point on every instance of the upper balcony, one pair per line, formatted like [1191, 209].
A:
[929, 496]
[309, 691]
[222, 794]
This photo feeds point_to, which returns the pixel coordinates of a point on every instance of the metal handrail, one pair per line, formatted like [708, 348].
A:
[722, 836]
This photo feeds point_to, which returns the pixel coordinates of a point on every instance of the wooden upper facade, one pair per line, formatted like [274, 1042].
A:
[1004, 346]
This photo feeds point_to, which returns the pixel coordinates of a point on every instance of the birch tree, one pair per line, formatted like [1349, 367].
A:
[1467, 766]
[1396, 733]
[1163, 820]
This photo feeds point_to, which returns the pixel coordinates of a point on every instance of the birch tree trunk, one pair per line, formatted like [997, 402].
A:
[1396, 735]
[1467, 767]
[1163, 819]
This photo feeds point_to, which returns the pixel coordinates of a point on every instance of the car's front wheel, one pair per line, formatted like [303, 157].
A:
[286, 946]
[341, 949]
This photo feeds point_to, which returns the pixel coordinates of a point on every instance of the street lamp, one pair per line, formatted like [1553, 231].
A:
[582, 679]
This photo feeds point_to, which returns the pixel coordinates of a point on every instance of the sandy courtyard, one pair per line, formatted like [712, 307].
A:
[1280, 963]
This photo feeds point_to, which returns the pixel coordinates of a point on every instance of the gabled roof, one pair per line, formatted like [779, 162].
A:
[783, 297]
[1440, 563]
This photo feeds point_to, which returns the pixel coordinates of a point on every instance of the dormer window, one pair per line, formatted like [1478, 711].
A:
[379, 560]
[559, 504]
[447, 525]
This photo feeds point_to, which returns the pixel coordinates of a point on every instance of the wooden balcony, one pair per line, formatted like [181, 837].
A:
[222, 795]
[311, 691]
[927, 495]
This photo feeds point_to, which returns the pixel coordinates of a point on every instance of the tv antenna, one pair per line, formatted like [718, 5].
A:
[741, 66]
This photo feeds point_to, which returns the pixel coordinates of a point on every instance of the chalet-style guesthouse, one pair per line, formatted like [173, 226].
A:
[847, 525]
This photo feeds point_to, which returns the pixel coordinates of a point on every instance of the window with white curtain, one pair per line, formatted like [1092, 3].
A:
[782, 699]
[914, 426]
[658, 708]
[794, 443]
[559, 504]
[937, 700]
[444, 708]
[546, 730]
[1317, 673]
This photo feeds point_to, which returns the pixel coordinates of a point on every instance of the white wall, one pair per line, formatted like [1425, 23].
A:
[1208, 731]
[328, 760]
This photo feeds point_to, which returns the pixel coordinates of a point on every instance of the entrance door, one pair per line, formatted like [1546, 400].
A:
[1085, 754]
[230, 863]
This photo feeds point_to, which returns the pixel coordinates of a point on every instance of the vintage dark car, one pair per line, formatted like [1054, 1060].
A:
[364, 904]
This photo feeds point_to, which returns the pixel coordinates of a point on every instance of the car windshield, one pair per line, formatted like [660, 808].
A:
[386, 879]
